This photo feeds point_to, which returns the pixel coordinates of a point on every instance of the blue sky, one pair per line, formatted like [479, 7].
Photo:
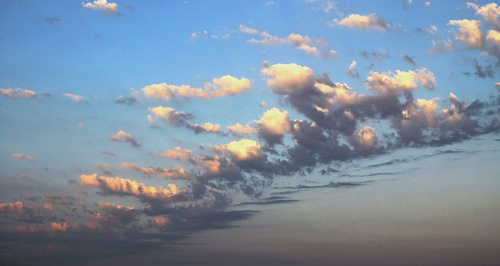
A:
[167, 118]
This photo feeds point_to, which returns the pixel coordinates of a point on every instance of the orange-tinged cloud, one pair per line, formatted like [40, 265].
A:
[122, 136]
[14, 207]
[469, 32]
[110, 8]
[132, 187]
[175, 173]
[60, 226]
[239, 129]
[17, 93]
[244, 149]
[161, 222]
[286, 78]
[219, 87]
[364, 139]
[363, 21]
[21, 156]
[275, 122]
[178, 153]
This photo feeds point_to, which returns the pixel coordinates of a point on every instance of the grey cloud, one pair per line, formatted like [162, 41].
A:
[408, 59]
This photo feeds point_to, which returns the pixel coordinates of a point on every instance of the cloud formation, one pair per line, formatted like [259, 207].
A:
[21, 156]
[17, 93]
[75, 97]
[122, 136]
[103, 5]
[219, 87]
[369, 22]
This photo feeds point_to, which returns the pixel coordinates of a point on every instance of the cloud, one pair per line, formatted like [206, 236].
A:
[441, 46]
[239, 130]
[388, 82]
[21, 156]
[487, 72]
[14, 208]
[53, 20]
[363, 140]
[469, 32]
[123, 136]
[170, 116]
[103, 5]
[288, 78]
[178, 154]
[75, 97]
[112, 216]
[300, 42]
[408, 59]
[17, 93]
[245, 149]
[351, 71]
[494, 36]
[174, 173]
[205, 128]
[375, 56]
[370, 22]
[219, 87]
[273, 125]
[490, 13]
[122, 186]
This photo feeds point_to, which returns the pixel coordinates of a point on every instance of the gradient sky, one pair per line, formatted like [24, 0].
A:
[131, 130]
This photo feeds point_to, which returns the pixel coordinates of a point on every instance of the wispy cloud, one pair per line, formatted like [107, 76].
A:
[17, 93]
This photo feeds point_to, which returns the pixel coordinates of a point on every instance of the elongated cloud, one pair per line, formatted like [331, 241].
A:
[370, 22]
[130, 187]
[123, 136]
[21, 156]
[207, 127]
[219, 87]
[17, 93]
[174, 173]
[178, 153]
[103, 5]
[241, 130]
[351, 71]
[75, 97]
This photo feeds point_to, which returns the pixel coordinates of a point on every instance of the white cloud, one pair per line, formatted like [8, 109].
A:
[286, 78]
[388, 82]
[110, 8]
[364, 22]
[469, 32]
[75, 97]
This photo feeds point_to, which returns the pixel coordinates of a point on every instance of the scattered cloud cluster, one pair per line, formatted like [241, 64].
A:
[301, 42]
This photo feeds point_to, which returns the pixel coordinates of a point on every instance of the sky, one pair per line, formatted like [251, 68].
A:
[283, 132]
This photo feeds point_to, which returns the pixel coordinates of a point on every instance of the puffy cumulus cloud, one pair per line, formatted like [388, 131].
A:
[490, 13]
[145, 193]
[60, 226]
[178, 153]
[339, 93]
[273, 125]
[363, 140]
[239, 130]
[17, 93]
[245, 149]
[388, 82]
[14, 208]
[469, 32]
[457, 121]
[351, 71]
[219, 87]
[169, 115]
[174, 173]
[103, 5]
[75, 97]
[370, 22]
[23, 157]
[494, 36]
[205, 128]
[287, 78]
[122, 136]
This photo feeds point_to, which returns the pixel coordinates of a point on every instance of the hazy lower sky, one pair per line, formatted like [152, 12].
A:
[303, 132]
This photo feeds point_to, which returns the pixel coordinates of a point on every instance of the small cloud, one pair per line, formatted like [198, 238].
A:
[427, 3]
[103, 5]
[351, 71]
[17, 93]
[122, 136]
[53, 20]
[75, 97]
[270, 3]
[408, 59]
[247, 30]
[441, 46]
[108, 153]
[370, 22]
[80, 125]
[23, 157]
